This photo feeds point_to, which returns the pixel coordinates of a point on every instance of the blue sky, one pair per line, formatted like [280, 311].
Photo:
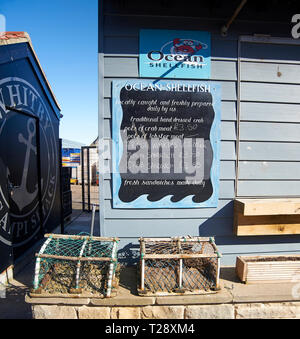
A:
[64, 34]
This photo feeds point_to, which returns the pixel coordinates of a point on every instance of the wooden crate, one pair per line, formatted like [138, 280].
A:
[179, 265]
[268, 269]
[266, 216]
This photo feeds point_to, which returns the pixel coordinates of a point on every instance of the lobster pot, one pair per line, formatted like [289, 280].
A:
[178, 265]
[78, 264]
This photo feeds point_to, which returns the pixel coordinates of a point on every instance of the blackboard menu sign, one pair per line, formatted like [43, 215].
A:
[166, 137]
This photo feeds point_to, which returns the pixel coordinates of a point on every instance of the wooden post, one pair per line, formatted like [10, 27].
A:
[38, 264]
[142, 245]
[79, 263]
[111, 268]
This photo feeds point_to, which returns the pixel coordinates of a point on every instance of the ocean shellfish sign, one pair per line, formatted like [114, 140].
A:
[166, 141]
[174, 54]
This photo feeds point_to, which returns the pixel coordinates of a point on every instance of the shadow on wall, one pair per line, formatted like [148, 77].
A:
[220, 226]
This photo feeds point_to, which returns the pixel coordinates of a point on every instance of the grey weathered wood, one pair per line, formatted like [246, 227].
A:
[224, 209]
[228, 150]
[269, 170]
[273, 104]
[270, 52]
[163, 227]
[270, 188]
[270, 72]
[228, 130]
[268, 151]
[267, 131]
[270, 92]
[260, 111]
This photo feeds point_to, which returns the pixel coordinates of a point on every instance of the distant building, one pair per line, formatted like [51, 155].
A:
[71, 155]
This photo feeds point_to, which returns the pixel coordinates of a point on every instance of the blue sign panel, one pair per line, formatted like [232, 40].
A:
[174, 54]
[166, 138]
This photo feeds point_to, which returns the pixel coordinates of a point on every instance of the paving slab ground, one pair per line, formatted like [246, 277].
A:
[13, 305]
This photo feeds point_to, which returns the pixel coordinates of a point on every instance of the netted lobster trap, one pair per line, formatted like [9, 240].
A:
[180, 265]
[77, 264]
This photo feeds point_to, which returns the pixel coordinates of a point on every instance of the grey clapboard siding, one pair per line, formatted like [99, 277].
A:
[262, 101]
[165, 228]
[269, 72]
[226, 190]
[268, 131]
[224, 209]
[269, 151]
[129, 26]
[270, 52]
[228, 150]
[269, 170]
[270, 188]
[253, 111]
[267, 92]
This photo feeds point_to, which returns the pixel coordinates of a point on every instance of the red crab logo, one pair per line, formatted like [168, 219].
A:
[185, 46]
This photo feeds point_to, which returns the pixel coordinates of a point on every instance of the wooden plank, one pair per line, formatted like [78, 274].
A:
[171, 239]
[131, 228]
[266, 225]
[268, 131]
[255, 207]
[178, 256]
[60, 257]
[269, 188]
[241, 268]
[267, 92]
[79, 237]
[224, 209]
[270, 52]
[228, 150]
[270, 72]
[254, 170]
[268, 151]
[265, 111]
[269, 257]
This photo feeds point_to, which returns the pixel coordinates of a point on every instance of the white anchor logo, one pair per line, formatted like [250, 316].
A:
[20, 194]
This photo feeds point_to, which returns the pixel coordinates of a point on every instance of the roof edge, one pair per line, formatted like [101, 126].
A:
[10, 38]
